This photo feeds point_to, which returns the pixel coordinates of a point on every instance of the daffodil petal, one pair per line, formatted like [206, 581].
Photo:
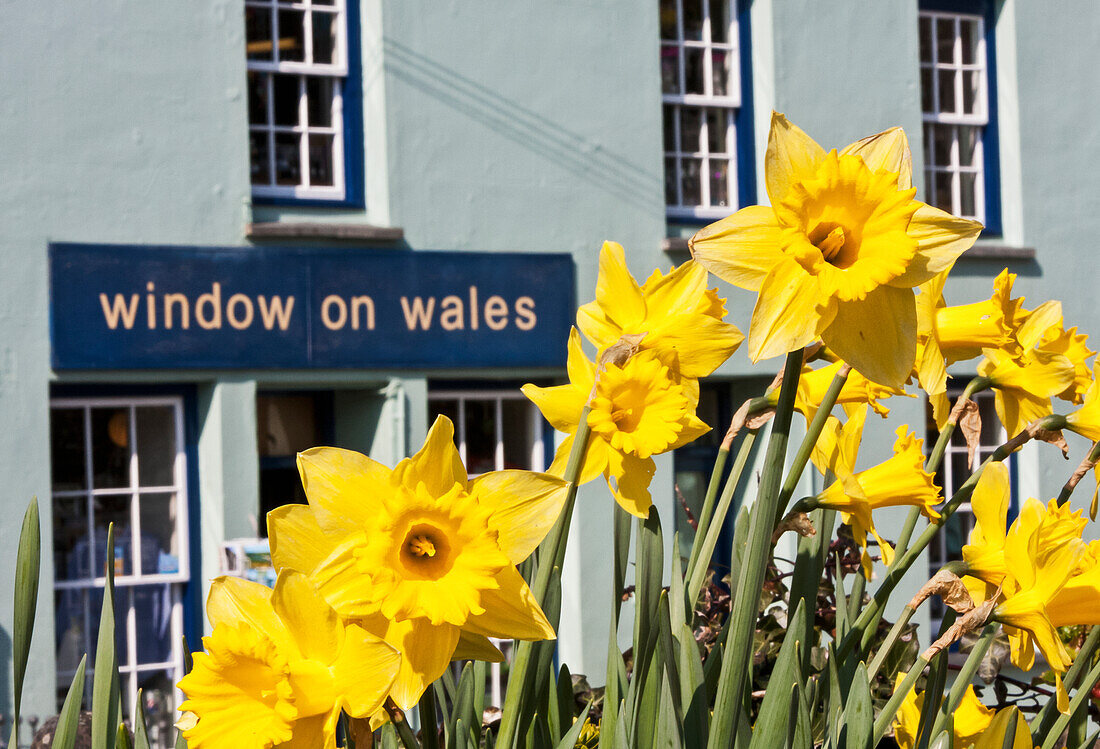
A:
[437, 464]
[941, 238]
[310, 733]
[297, 541]
[702, 343]
[886, 151]
[742, 248]
[343, 487]
[786, 316]
[989, 502]
[632, 478]
[233, 600]
[580, 369]
[883, 353]
[364, 672]
[510, 611]
[425, 649]
[343, 584]
[681, 289]
[616, 290]
[561, 405]
[595, 458]
[791, 156]
[473, 647]
[525, 505]
[312, 623]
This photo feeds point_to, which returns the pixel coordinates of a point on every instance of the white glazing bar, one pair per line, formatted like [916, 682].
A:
[135, 508]
[498, 433]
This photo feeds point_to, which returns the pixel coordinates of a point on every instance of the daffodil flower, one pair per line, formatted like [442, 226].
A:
[676, 313]
[420, 555]
[279, 667]
[838, 252]
[970, 719]
[857, 391]
[993, 737]
[1086, 420]
[637, 410]
[901, 480]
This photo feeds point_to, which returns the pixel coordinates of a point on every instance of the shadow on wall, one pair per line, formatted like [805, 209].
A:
[587, 160]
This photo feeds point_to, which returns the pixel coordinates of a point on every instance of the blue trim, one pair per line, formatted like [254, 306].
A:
[354, 159]
[746, 144]
[991, 144]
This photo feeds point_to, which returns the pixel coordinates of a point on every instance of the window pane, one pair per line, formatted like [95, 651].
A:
[945, 40]
[968, 187]
[257, 98]
[292, 41]
[717, 130]
[719, 182]
[693, 20]
[671, 176]
[927, 103]
[481, 439]
[286, 424]
[944, 191]
[71, 633]
[942, 137]
[719, 21]
[159, 701]
[319, 100]
[518, 434]
[668, 19]
[261, 168]
[690, 126]
[970, 40]
[113, 509]
[257, 24]
[972, 81]
[288, 167]
[320, 160]
[67, 466]
[70, 534]
[669, 115]
[693, 71]
[720, 72]
[287, 96]
[152, 609]
[156, 445]
[670, 69]
[324, 37]
[925, 39]
[946, 80]
[159, 541]
[689, 181]
[968, 144]
[110, 447]
[448, 408]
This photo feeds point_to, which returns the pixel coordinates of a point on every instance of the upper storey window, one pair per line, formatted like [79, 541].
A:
[956, 104]
[297, 69]
[701, 93]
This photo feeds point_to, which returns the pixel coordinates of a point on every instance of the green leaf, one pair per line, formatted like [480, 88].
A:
[460, 738]
[122, 737]
[648, 583]
[141, 733]
[859, 713]
[429, 729]
[569, 740]
[621, 530]
[693, 690]
[26, 600]
[464, 704]
[105, 682]
[773, 719]
[943, 741]
[565, 701]
[481, 669]
[68, 719]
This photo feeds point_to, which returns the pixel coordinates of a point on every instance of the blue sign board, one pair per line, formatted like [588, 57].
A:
[142, 307]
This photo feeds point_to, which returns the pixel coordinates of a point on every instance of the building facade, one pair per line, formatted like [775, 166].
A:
[429, 181]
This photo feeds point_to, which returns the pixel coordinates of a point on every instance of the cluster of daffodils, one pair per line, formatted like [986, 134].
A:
[389, 574]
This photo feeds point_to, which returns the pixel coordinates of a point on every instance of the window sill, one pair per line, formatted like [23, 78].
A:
[674, 244]
[995, 249]
[311, 230]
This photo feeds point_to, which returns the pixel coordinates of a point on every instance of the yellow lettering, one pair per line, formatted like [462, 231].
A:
[364, 302]
[332, 300]
[496, 313]
[185, 310]
[231, 315]
[276, 312]
[525, 313]
[214, 301]
[473, 308]
[150, 306]
[112, 312]
[419, 313]
[452, 316]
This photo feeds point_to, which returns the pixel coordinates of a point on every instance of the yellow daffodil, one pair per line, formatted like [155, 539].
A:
[279, 667]
[950, 334]
[901, 480]
[838, 252]
[675, 312]
[970, 719]
[1086, 420]
[1070, 344]
[420, 554]
[857, 390]
[993, 737]
[637, 410]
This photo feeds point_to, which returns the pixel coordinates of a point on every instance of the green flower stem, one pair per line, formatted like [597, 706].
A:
[708, 504]
[890, 709]
[551, 556]
[697, 573]
[428, 728]
[891, 639]
[1041, 724]
[737, 659]
[813, 433]
[401, 724]
[1067, 490]
[964, 678]
[862, 627]
[1079, 697]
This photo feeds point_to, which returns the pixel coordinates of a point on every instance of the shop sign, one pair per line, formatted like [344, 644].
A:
[144, 307]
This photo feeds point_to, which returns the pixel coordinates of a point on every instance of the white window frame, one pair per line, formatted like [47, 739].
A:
[337, 71]
[538, 462]
[125, 615]
[937, 122]
[727, 104]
